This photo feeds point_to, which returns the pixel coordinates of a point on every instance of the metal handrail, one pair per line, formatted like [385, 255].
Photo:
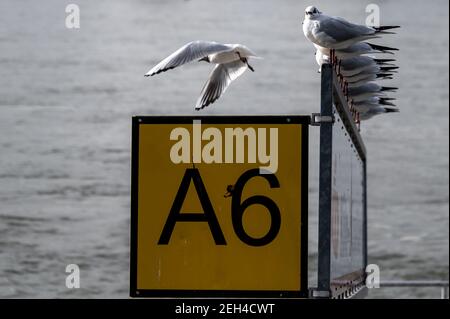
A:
[419, 283]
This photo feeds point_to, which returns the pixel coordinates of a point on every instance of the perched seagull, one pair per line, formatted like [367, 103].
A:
[368, 90]
[362, 48]
[322, 58]
[376, 111]
[371, 103]
[362, 79]
[353, 66]
[356, 65]
[231, 61]
[356, 49]
[337, 33]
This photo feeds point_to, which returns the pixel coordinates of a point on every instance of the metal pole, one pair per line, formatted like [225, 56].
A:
[444, 292]
[326, 131]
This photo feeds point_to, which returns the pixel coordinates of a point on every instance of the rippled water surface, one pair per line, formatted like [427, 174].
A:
[67, 97]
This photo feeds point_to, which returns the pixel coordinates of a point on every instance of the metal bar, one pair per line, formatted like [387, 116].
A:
[415, 283]
[326, 136]
[419, 283]
[365, 226]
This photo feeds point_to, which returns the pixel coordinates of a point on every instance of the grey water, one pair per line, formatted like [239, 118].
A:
[67, 97]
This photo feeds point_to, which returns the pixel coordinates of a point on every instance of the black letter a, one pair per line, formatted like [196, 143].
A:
[208, 211]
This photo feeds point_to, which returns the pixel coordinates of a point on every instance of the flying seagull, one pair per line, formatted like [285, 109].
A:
[335, 32]
[231, 61]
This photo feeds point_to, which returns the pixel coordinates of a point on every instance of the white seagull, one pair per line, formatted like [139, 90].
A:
[372, 103]
[335, 32]
[366, 76]
[368, 90]
[357, 49]
[362, 48]
[231, 61]
[354, 65]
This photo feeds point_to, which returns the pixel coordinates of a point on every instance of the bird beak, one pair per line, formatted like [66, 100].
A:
[250, 67]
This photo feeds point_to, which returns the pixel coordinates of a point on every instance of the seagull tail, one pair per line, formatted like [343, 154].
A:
[388, 89]
[386, 102]
[382, 29]
[382, 49]
[389, 69]
[391, 109]
[384, 61]
[385, 76]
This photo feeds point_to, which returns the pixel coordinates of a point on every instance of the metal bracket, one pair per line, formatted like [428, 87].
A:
[317, 119]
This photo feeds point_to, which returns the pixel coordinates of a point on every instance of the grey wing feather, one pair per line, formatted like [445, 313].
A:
[190, 52]
[356, 62]
[219, 80]
[342, 30]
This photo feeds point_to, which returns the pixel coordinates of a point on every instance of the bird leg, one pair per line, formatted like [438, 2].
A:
[358, 121]
[245, 60]
[249, 66]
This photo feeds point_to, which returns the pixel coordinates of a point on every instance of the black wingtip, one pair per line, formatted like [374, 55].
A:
[389, 68]
[382, 48]
[388, 89]
[386, 27]
[391, 110]
[385, 75]
[386, 102]
[384, 61]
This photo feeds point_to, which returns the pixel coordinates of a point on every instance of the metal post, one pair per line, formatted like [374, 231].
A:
[444, 292]
[326, 131]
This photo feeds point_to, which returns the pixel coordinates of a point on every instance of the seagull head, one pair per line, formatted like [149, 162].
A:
[311, 12]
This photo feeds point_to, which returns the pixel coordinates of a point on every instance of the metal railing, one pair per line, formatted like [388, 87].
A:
[418, 283]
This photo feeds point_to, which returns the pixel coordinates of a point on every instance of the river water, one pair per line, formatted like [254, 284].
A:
[67, 97]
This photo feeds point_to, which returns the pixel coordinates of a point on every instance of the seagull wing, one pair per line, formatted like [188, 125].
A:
[190, 52]
[342, 30]
[219, 80]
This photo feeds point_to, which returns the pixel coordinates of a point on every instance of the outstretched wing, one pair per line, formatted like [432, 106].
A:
[219, 80]
[190, 52]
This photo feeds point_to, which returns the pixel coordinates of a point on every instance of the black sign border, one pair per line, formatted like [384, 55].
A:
[220, 119]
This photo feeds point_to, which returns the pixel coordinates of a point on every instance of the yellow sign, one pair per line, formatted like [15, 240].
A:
[219, 206]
